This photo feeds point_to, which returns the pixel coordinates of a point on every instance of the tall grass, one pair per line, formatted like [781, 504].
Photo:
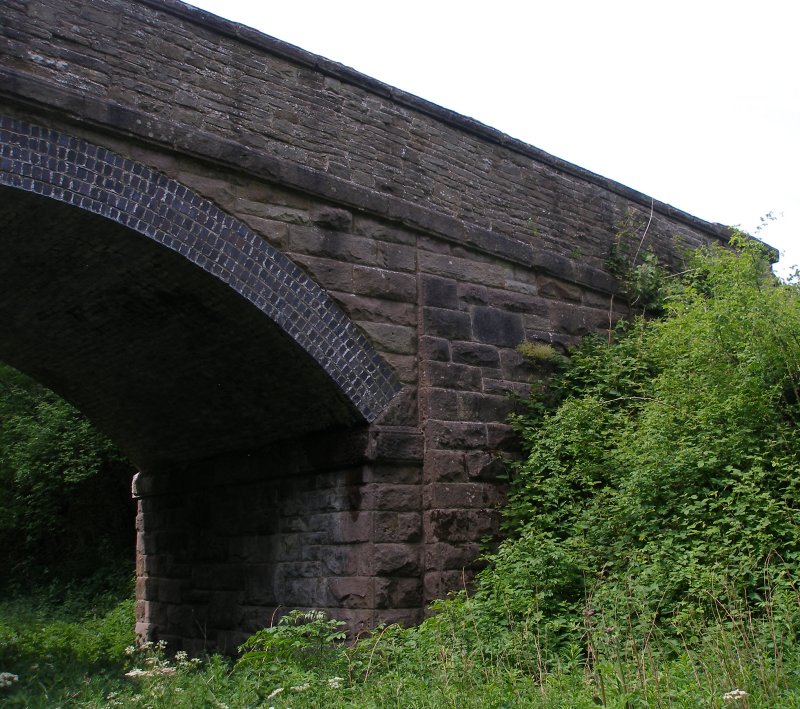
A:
[744, 654]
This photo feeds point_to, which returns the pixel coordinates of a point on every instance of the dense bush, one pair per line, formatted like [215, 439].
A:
[65, 504]
[664, 465]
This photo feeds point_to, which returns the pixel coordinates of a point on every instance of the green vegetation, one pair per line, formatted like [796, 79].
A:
[66, 645]
[65, 504]
[650, 558]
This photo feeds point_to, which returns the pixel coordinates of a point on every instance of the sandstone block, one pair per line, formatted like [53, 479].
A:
[497, 327]
[434, 348]
[396, 559]
[448, 375]
[351, 592]
[397, 526]
[444, 466]
[333, 218]
[455, 435]
[475, 354]
[395, 593]
[382, 283]
[449, 324]
[439, 292]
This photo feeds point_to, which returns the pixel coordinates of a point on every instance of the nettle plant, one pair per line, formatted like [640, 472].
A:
[664, 463]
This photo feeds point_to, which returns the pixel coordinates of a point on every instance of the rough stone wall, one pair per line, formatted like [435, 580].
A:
[225, 546]
[181, 67]
[445, 242]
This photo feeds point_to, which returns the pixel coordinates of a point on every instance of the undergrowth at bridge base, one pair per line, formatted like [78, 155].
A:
[650, 559]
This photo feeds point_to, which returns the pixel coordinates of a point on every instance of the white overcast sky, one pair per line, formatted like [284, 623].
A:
[694, 102]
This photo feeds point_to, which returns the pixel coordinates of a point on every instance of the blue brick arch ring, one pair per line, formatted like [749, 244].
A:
[71, 170]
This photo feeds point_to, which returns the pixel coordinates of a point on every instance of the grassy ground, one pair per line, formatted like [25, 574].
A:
[65, 644]
[74, 655]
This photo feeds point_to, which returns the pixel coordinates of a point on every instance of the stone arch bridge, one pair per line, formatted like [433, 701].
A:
[292, 294]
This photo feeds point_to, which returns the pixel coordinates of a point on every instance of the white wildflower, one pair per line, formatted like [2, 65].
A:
[275, 693]
[734, 695]
[7, 679]
[136, 672]
[113, 700]
[335, 682]
[301, 687]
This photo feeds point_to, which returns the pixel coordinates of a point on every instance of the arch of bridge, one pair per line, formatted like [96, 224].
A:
[260, 319]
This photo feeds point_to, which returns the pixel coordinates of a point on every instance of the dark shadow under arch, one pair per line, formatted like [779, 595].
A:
[197, 339]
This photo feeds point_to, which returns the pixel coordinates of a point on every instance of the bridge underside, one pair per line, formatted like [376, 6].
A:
[241, 511]
[170, 362]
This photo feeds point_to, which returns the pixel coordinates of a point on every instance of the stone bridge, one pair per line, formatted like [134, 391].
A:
[292, 294]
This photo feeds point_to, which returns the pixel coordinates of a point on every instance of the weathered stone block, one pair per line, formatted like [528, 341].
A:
[439, 292]
[396, 257]
[482, 465]
[409, 473]
[351, 592]
[301, 592]
[474, 406]
[440, 404]
[402, 616]
[388, 444]
[396, 559]
[444, 466]
[468, 495]
[332, 275]
[497, 327]
[475, 354]
[458, 525]
[397, 526]
[394, 593]
[382, 283]
[448, 375]
[472, 294]
[455, 435]
[351, 526]
[376, 309]
[449, 324]
[403, 410]
[451, 557]
[434, 348]
[403, 366]
[501, 437]
[438, 584]
[577, 320]
[558, 289]
[388, 497]
[329, 217]
[391, 338]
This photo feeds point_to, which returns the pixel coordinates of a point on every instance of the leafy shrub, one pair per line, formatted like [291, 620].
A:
[64, 489]
[668, 459]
